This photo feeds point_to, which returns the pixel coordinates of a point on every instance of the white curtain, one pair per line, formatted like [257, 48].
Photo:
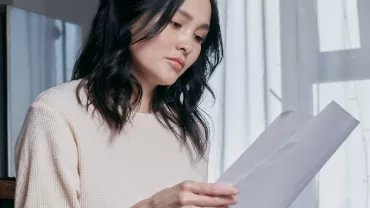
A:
[299, 55]
[41, 54]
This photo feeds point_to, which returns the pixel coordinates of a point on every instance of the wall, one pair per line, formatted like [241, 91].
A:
[74, 11]
[6, 1]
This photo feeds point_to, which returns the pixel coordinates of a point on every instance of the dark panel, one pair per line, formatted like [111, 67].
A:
[3, 94]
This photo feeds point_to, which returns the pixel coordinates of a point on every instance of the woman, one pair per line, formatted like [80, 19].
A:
[127, 131]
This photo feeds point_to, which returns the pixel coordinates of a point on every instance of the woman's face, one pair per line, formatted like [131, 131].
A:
[164, 58]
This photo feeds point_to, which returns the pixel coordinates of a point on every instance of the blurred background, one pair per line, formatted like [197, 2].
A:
[280, 55]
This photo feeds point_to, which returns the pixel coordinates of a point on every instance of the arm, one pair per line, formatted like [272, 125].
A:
[46, 162]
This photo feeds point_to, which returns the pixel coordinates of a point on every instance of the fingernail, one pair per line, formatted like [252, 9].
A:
[236, 189]
[235, 198]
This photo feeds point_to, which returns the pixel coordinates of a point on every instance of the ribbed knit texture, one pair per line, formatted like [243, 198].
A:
[67, 157]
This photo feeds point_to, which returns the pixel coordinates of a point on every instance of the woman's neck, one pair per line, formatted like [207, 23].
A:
[145, 104]
[147, 92]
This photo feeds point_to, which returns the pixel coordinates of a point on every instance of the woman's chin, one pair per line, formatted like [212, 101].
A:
[168, 82]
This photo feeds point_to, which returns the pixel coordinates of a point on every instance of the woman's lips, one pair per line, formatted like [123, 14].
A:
[176, 63]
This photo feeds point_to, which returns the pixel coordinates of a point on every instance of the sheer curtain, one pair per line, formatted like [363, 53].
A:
[300, 55]
[41, 54]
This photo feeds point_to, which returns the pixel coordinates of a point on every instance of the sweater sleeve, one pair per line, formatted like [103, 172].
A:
[46, 162]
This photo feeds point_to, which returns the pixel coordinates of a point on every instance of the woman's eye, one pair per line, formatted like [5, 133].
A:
[199, 38]
[175, 24]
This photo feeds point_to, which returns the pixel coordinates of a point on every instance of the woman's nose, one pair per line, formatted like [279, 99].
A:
[185, 44]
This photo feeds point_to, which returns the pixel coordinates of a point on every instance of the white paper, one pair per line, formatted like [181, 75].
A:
[276, 168]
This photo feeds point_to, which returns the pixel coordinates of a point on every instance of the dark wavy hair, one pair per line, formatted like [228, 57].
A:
[104, 66]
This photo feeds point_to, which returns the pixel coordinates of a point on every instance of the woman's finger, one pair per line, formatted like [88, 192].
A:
[207, 201]
[209, 189]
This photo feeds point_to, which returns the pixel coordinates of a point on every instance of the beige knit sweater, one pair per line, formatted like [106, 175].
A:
[66, 157]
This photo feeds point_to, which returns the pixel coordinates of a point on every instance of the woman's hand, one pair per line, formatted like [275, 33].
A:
[190, 193]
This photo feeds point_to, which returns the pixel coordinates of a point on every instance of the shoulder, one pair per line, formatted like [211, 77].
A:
[60, 98]
[52, 111]
[58, 104]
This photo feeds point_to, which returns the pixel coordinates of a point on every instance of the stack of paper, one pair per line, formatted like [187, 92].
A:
[276, 168]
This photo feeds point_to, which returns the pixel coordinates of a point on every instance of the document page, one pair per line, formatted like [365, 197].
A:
[276, 168]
